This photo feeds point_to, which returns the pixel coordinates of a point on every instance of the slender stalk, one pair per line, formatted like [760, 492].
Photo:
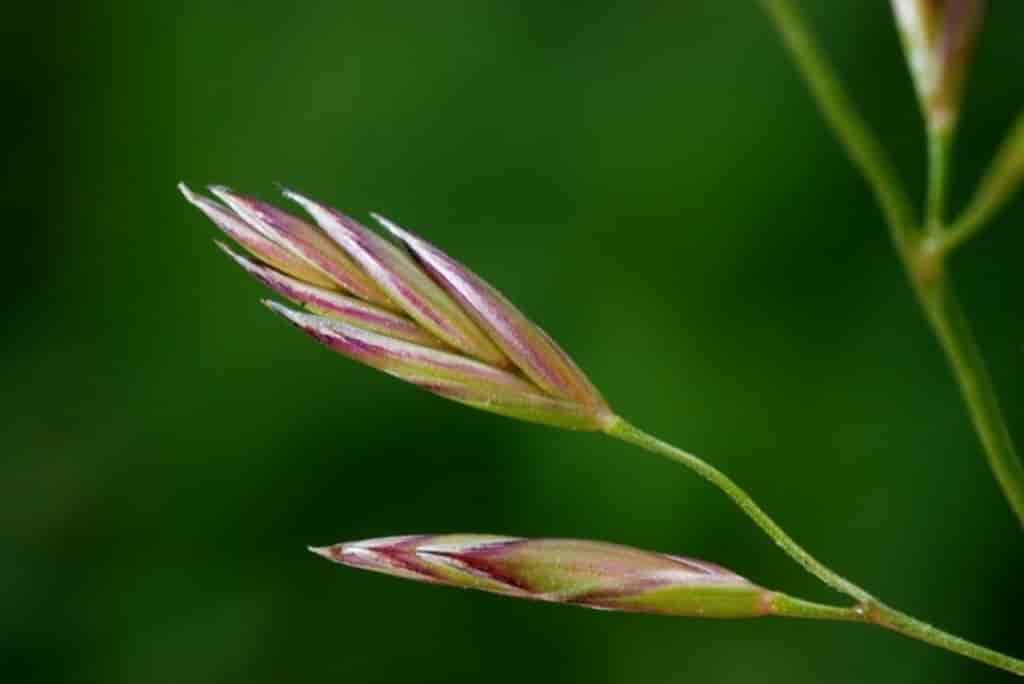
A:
[851, 129]
[934, 292]
[786, 606]
[1000, 182]
[940, 142]
[901, 623]
[954, 333]
[868, 609]
[621, 429]
[951, 327]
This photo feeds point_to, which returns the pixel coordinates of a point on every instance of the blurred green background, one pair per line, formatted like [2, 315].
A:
[650, 181]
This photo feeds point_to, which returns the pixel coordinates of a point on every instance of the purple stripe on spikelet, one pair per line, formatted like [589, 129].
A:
[586, 573]
[529, 347]
[306, 242]
[445, 329]
[405, 359]
[334, 304]
[709, 571]
[403, 281]
[478, 564]
[255, 242]
[382, 555]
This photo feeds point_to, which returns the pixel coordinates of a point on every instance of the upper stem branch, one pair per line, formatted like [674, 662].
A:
[924, 258]
[1000, 182]
[855, 135]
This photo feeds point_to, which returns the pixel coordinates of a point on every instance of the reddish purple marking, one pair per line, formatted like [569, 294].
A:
[483, 565]
[704, 568]
[404, 557]
[373, 255]
[310, 295]
[518, 336]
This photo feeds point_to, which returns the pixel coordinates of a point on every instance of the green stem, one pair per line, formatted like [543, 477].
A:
[782, 605]
[855, 135]
[951, 326]
[939, 146]
[1000, 182]
[954, 333]
[868, 609]
[898, 622]
[628, 433]
[923, 259]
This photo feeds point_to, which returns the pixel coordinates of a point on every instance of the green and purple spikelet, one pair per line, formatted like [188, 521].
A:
[407, 309]
[412, 311]
[585, 573]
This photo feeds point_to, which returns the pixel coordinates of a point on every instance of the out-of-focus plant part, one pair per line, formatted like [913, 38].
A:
[850, 128]
[1000, 183]
[924, 249]
[938, 38]
[423, 318]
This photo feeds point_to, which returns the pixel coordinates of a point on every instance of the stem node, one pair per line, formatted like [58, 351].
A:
[926, 262]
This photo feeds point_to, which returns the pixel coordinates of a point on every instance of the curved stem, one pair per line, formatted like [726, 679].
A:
[868, 609]
[855, 135]
[901, 623]
[628, 433]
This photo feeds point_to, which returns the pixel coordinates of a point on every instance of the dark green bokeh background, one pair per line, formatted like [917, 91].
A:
[650, 181]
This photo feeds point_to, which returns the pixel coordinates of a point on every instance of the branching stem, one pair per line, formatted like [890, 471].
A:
[868, 609]
[851, 129]
[924, 253]
[628, 433]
